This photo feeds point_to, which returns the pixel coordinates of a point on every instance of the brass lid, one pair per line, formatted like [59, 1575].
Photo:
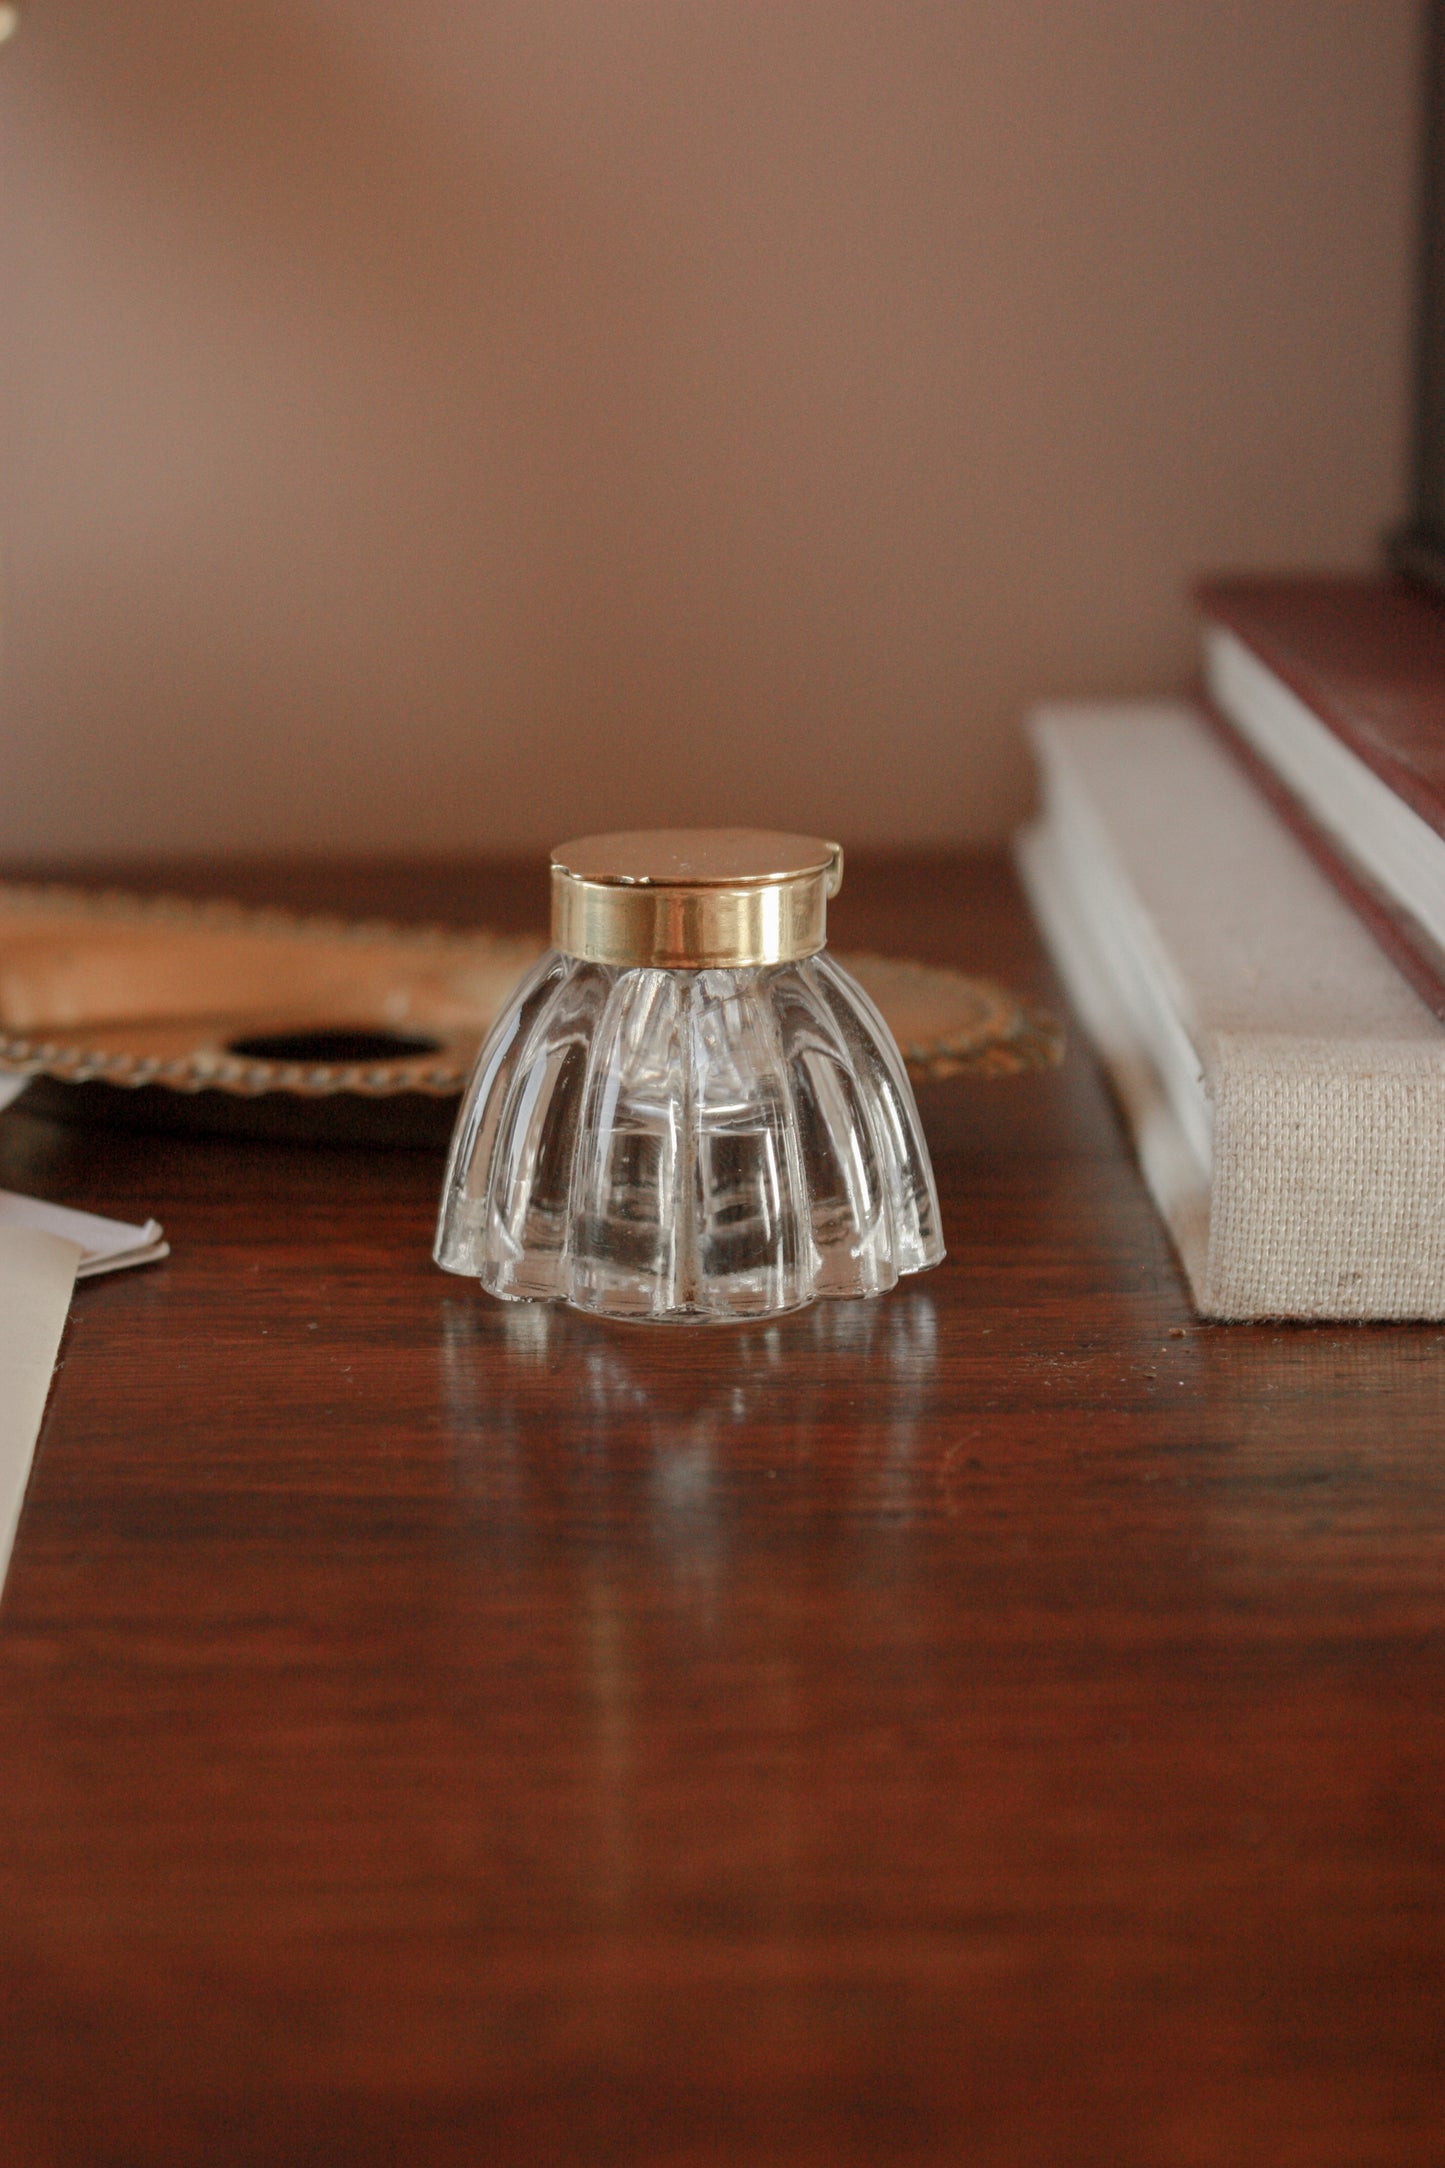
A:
[693, 899]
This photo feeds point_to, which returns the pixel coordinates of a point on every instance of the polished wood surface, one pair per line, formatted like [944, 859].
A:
[1004, 1723]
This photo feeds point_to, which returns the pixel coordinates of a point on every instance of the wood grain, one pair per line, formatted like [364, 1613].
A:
[1000, 1724]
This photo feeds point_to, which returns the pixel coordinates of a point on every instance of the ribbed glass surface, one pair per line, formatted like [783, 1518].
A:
[705, 1145]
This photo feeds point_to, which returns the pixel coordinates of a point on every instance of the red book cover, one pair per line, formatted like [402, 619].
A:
[1367, 657]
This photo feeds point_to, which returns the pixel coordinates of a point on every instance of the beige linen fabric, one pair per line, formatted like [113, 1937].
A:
[1329, 1179]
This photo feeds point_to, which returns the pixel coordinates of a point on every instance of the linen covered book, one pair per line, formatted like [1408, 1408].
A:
[1284, 1083]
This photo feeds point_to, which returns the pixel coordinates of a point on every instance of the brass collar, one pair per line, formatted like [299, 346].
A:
[693, 899]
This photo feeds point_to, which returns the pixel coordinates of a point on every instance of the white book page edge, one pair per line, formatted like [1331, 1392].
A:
[1359, 812]
[1167, 1147]
[91, 1268]
[1139, 966]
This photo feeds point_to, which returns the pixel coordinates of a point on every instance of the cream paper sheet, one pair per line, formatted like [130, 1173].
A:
[106, 1245]
[37, 1274]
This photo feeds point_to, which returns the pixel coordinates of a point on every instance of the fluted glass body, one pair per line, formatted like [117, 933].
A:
[674, 1145]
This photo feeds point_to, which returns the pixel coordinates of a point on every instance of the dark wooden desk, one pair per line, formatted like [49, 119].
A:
[1001, 1724]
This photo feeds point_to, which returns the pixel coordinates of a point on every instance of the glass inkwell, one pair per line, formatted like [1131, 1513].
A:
[687, 1112]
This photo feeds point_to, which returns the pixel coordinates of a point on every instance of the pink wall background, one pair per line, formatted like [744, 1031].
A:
[463, 424]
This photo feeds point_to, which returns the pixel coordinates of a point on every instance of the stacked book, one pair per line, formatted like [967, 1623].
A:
[1245, 896]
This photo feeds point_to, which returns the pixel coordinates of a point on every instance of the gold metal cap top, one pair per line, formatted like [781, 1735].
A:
[693, 899]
